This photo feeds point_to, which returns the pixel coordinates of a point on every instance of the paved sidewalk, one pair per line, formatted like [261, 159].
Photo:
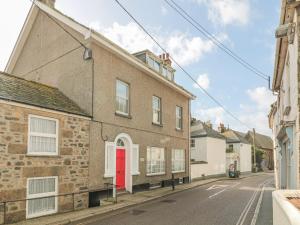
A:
[124, 200]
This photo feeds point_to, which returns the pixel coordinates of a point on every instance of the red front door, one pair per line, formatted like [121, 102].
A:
[120, 169]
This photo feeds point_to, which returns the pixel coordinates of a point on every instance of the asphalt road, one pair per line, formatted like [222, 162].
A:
[228, 202]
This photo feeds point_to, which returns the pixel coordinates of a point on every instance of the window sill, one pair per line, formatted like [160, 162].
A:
[135, 174]
[199, 162]
[182, 171]
[179, 130]
[157, 124]
[155, 174]
[42, 155]
[123, 115]
[108, 176]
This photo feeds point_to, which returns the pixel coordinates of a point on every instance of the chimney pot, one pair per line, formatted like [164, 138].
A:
[50, 3]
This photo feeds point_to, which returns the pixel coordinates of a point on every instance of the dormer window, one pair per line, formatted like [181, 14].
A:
[161, 64]
[154, 64]
[164, 71]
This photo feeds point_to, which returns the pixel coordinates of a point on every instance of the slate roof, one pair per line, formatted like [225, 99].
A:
[19, 90]
[233, 136]
[205, 131]
[261, 141]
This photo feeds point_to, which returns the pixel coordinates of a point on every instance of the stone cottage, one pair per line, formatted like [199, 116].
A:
[44, 150]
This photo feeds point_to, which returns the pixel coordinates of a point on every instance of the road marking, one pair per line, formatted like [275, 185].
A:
[217, 193]
[255, 216]
[247, 208]
[217, 186]
[222, 190]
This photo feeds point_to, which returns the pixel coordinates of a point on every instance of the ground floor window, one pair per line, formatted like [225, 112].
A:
[155, 161]
[41, 195]
[178, 160]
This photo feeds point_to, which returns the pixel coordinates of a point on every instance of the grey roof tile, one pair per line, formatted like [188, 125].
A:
[19, 90]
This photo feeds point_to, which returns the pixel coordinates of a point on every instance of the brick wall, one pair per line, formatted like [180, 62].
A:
[71, 164]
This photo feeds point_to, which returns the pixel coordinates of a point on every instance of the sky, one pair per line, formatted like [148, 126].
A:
[247, 27]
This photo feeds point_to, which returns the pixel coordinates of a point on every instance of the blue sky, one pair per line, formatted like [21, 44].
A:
[246, 26]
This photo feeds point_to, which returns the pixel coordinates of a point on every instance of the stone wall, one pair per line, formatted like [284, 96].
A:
[71, 164]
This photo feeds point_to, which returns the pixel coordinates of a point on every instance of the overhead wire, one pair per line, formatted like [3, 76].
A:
[178, 64]
[184, 14]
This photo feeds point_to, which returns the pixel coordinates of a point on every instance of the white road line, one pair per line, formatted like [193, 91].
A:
[254, 219]
[223, 190]
[217, 193]
[255, 216]
[245, 212]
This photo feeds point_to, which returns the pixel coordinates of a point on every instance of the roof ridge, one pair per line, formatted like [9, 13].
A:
[30, 81]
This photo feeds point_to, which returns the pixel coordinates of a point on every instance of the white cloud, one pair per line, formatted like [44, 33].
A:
[215, 114]
[262, 97]
[184, 48]
[12, 16]
[203, 81]
[163, 10]
[254, 114]
[227, 12]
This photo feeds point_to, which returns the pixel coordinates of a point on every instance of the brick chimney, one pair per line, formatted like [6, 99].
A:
[166, 58]
[221, 128]
[50, 3]
[209, 124]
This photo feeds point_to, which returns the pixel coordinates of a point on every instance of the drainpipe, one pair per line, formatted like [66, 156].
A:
[189, 138]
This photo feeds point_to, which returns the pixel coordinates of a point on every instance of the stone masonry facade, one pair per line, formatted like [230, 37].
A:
[70, 165]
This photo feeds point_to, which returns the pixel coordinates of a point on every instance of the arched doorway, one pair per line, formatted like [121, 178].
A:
[123, 177]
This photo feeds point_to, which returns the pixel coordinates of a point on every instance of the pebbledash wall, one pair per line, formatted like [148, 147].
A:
[70, 166]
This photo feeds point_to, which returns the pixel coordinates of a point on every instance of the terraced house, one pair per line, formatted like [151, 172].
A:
[139, 132]
[284, 114]
[44, 150]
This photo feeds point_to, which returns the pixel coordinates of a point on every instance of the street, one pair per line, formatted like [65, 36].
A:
[227, 202]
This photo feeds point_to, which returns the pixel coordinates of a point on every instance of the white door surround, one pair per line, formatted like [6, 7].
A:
[128, 152]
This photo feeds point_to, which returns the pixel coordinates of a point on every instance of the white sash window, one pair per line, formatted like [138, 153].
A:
[122, 98]
[42, 135]
[178, 160]
[41, 195]
[156, 107]
[178, 118]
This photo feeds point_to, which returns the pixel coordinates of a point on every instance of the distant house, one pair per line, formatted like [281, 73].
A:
[207, 151]
[265, 144]
[238, 149]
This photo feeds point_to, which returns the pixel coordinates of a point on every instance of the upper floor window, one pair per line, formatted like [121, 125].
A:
[154, 64]
[230, 148]
[193, 143]
[156, 107]
[178, 117]
[122, 97]
[43, 136]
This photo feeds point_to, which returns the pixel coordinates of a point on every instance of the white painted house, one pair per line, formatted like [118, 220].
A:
[238, 149]
[208, 157]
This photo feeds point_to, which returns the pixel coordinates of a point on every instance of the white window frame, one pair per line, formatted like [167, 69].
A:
[178, 161]
[157, 110]
[126, 99]
[40, 195]
[179, 118]
[36, 134]
[162, 162]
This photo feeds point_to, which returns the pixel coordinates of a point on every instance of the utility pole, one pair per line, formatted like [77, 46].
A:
[254, 151]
